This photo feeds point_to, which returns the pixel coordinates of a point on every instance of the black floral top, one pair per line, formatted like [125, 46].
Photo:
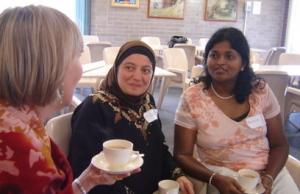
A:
[99, 118]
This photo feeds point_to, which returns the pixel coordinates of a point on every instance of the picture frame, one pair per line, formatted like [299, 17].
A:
[221, 10]
[126, 3]
[167, 9]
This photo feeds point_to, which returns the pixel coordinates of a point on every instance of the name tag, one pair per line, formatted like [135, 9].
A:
[151, 115]
[256, 121]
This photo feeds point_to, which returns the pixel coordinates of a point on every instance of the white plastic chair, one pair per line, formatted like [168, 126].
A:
[292, 100]
[85, 56]
[293, 166]
[59, 129]
[175, 60]
[190, 51]
[90, 39]
[96, 50]
[289, 59]
[273, 55]
[196, 72]
[189, 41]
[110, 54]
[92, 83]
[203, 42]
[254, 57]
[152, 41]
[278, 82]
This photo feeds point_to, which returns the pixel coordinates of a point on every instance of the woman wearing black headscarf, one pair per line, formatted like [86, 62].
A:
[117, 111]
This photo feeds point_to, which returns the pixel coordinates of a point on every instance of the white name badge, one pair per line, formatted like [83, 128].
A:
[151, 115]
[256, 121]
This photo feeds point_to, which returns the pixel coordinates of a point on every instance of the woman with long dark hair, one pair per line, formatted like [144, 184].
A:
[231, 120]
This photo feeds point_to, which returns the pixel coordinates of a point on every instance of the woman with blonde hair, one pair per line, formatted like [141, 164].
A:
[39, 69]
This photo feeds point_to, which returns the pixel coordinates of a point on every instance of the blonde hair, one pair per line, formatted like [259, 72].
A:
[37, 44]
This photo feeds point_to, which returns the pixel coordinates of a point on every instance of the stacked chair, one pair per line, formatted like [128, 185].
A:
[96, 50]
[273, 55]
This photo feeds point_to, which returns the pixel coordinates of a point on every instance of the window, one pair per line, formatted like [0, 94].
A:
[68, 7]
[293, 28]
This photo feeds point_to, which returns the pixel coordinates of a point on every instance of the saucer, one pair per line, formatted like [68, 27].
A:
[258, 190]
[100, 162]
[156, 192]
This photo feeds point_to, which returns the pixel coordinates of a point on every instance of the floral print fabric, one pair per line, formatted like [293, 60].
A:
[222, 141]
[137, 117]
[29, 162]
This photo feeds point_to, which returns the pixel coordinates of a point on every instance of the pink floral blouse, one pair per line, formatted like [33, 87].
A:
[30, 163]
[222, 141]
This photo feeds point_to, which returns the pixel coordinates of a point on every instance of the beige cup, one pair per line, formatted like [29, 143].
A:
[168, 187]
[117, 152]
[248, 179]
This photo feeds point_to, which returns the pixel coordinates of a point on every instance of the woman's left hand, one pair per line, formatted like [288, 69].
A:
[186, 186]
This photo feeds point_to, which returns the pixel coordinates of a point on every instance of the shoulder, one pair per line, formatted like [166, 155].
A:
[13, 118]
[196, 90]
[98, 100]
[103, 97]
[263, 93]
[261, 88]
[92, 107]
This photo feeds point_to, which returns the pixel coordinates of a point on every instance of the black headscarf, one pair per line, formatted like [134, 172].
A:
[110, 84]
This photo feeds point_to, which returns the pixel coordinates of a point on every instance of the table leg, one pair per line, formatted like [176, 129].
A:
[162, 91]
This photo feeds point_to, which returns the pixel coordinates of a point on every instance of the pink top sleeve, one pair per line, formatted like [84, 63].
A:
[271, 106]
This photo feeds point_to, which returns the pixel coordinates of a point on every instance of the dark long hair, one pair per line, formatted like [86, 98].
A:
[246, 79]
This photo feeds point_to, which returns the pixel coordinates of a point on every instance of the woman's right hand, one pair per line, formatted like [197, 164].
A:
[227, 185]
[93, 176]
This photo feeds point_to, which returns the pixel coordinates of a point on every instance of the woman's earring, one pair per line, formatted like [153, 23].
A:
[242, 69]
[60, 95]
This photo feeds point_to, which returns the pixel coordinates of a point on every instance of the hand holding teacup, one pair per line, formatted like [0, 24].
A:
[248, 179]
[172, 187]
[267, 182]
[168, 187]
[93, 176]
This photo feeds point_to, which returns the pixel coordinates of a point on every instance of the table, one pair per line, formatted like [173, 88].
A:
[91, 66]
[258, 55]
[291, 70]
[101, 71]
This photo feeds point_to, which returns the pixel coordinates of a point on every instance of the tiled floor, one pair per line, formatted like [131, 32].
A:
[167, 113]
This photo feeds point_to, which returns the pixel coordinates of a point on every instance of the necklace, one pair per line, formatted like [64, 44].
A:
[218, 95]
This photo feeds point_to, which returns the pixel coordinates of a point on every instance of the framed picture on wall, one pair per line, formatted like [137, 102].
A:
[169, 9]
[221, 10]
[125, 3]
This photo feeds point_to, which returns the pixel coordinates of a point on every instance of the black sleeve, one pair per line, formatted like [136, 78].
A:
[169, 165]
[91, 125]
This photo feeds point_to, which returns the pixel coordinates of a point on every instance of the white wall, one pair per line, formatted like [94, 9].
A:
[118, 25]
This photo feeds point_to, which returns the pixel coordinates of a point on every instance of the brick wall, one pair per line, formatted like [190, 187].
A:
[121, 24]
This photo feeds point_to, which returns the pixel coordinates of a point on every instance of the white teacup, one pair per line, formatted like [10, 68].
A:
[117, 152]
[168, 187]
[248, 179]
